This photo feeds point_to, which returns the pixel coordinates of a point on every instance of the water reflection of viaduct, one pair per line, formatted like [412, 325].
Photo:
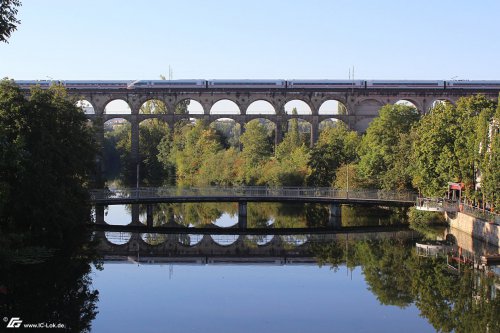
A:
[197, 248]
[360, 106]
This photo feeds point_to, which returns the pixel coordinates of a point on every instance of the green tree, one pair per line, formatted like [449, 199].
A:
[488, 155]
[383, 163]
[336, 146]
[51, 155]
[191, 146]
[257, 149]
[445, 146]
[8, 20]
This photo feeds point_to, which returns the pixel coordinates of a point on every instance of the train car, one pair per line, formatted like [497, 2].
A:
[167, 84]
[325, 84]
[256, 84]
[405, 84]
[96, 84]
[476, 84]
[27, 84]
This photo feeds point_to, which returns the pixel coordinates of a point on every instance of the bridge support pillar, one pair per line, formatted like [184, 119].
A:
[335, 216]
[134, 150]
[314, 131]
[149, 215]
[135, 214]
[242, 214]
[99, 214]
[98, 125]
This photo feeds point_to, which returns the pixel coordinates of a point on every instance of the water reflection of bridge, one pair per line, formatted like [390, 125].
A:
[244, 194]
[235, 248]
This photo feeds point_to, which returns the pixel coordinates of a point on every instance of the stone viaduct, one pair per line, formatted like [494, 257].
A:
[361, 105]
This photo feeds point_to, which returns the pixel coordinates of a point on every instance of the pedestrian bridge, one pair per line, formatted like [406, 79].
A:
[152, 195]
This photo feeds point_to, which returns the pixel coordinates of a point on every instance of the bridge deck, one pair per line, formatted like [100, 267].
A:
[249, 194]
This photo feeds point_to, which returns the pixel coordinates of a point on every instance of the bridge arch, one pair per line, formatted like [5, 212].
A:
[304, 127]
[409, 102]
[330, 122]
[115, 129]
[153, 106]
[154, 239]
[333, 107]
[117, 106]
[118, 238]
[268, 122]
[229, 128]
[226, 220]
[434, 102]
[225, 106]
[190, 240]
[86, 106]
[260, 106]
[188, 106]
[225, 240]
[302, 107]
[259, 240]
[368, 107]
[294, 240]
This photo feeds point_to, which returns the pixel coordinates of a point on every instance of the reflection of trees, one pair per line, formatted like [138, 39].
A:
[57, 290]
[283, 215]
[369, 216]
[455, 302]
[385, 268]
[451, 301]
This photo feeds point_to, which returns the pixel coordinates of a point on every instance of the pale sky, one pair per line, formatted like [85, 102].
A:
[275, 39]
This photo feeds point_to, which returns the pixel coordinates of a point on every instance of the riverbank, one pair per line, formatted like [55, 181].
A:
[477, 228]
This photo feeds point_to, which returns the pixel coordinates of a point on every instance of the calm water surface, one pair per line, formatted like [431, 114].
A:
[243, 298]
[205, 281]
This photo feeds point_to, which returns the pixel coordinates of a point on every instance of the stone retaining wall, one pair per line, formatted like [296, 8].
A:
[475, 227]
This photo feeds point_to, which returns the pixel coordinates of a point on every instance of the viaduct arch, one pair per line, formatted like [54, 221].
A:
[359, 107]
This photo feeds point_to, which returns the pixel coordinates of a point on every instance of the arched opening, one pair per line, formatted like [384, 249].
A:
[369, 107]
[294, 240]
[116, 154]
[226, 220]
[117, 215]
[225, 240]
[259, 240]
[118, 238]
[154, 238]
[261, 107]
[407, 102]
[229, 130]
[225, 106]
[300, 129]
[190, 239]
[188, 106]
[332, 107]
[151, 170]
[117, 106]
[265, 126]
[330, 123]
[86, 106]
[441, 101]
[297, 106]
[153, 106]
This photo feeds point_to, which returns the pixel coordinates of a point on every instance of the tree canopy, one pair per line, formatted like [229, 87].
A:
[8, 20]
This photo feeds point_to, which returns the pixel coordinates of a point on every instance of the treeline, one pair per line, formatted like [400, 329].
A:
[401, 150]
[47, 157]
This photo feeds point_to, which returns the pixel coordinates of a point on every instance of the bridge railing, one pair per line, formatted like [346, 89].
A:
[251, 191]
